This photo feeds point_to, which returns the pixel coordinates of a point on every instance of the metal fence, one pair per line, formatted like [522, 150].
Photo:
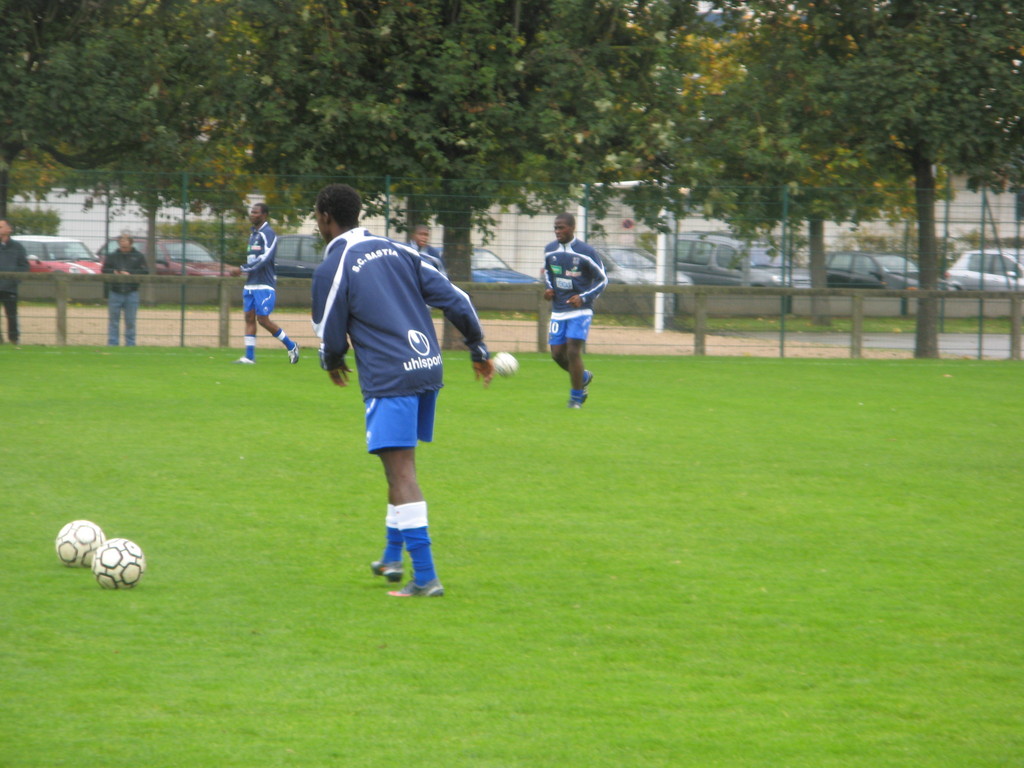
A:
[511, 219]
[61, 309]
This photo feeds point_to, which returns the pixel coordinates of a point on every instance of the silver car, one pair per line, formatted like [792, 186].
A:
[988, 270]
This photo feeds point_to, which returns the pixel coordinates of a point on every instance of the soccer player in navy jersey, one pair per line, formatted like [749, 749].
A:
[421, 242]
[574, 276]
[260, 291]
[375, 294]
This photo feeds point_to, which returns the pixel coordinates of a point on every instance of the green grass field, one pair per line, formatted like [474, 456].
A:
[718, 562]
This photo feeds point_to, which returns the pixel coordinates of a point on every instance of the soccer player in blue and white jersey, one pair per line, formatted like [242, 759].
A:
[421, 242]
[375, 294]
[260, 291]
[574, 276]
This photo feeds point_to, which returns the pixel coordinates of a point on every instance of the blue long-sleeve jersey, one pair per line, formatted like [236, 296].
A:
[571, 269]
[377, 292]
[259, 259]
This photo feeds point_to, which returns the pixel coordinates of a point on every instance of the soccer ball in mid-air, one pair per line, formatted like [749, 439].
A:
[77, 541]
[119, 564]
[505, 364]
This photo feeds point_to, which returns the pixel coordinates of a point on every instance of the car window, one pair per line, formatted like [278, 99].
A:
[863, 265]
[727, 257]
[32, 249]
[484, 259]
[699, 253]
[70, 252]
[287, 248]
[761, 256]
[842, 262]
[194, 253]
[629, 259]
[897, 264]
[312, 250]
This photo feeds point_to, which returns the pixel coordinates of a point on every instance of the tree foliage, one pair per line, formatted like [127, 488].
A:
[455, 97]
[891, 90]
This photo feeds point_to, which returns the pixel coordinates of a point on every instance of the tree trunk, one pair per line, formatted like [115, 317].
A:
[416, 213]
[458, 249]
[5, 182]
[820, 310]
[927, 340]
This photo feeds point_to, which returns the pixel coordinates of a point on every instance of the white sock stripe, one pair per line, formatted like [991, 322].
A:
[250, 341]
[412, 515]
[391, 519]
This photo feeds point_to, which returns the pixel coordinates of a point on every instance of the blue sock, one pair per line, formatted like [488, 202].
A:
[417, 541]
[393, 548]
[283, 338]
[250, 347]
[576, 395]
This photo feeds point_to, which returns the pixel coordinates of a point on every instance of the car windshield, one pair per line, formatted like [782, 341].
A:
[762, 256]
[484, 259]
[194, 253]
[73, 251]
[630, 259]
[897, 264]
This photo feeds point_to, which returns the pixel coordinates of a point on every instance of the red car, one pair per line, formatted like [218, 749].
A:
[170, 254]
[59, 254]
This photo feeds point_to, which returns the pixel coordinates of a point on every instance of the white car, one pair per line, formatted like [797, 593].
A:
[988, 270]
[59, 254]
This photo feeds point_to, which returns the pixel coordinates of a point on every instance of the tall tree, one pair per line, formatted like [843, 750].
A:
[929, 85]
[454, 97]
[899, 88]
[135, 86]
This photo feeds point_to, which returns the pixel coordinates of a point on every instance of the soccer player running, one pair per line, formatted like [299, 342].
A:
[260, 291]
[574, 276]
[377, 293]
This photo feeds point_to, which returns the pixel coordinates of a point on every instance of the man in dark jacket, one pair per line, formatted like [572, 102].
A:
[12, 259]
[126, 260]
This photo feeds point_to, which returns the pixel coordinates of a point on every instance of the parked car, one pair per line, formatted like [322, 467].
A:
[488, 267]
[861, 269]
[716, 259]
[59, 254]
[169, 254]
[298, 255]
[627, 264]
[988, 270]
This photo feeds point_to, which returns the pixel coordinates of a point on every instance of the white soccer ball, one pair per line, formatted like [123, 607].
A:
[119, 564]
[505, 364]
[77, 541]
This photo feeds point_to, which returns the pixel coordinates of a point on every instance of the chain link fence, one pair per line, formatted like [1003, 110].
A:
[648, 308]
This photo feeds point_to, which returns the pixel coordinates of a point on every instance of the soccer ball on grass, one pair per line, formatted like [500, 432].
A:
[119, 564]
[77, 541]
[505, 364]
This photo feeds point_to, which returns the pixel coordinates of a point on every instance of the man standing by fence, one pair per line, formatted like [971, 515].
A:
[123, 297]
[12, 259]
[260, 292]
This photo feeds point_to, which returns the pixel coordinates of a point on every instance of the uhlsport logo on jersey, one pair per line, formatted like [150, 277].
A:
[420, 344]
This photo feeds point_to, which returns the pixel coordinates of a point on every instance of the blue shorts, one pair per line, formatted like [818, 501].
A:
[399, 422]
[572, 328]
[259, 299]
